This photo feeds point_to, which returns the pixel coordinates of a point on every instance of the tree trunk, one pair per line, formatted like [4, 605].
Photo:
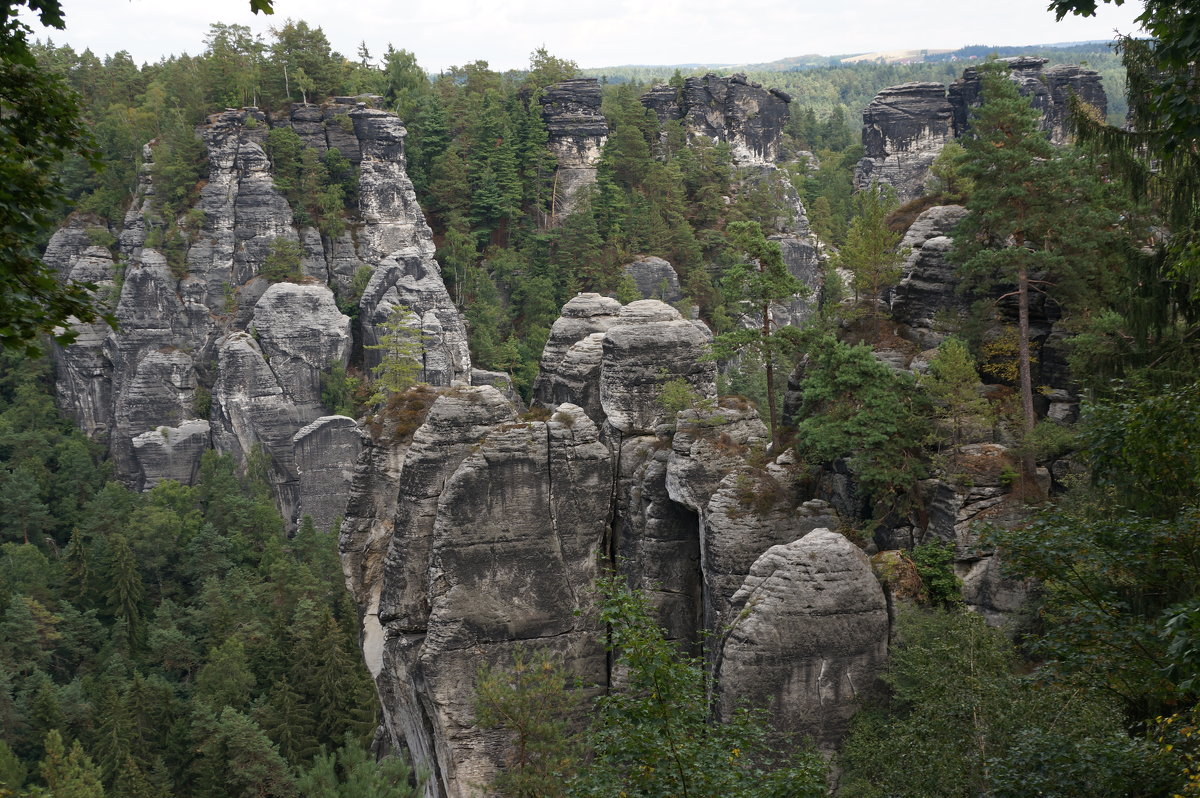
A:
[770, 366]
[1028, 463]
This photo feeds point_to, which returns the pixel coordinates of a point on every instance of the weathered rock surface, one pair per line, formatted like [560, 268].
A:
[576, 132]
[484, 532]
[171, 452]
[302, 333]
[655, 279]
[928, 286]
[650, 344]
[1048, 89]
[326, 451]
[730, 109]
[183, 341]
[905, 127]
[574, 376]
[810, 636]
[498, 531]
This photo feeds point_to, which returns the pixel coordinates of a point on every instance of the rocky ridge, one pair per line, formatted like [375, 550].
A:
[209, 354]
[905, 127]
[731, 109]
[484, 532]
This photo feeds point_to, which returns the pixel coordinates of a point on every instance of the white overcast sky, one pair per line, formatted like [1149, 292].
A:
[608, 33]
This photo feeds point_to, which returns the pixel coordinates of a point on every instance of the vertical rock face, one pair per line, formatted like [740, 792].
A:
[496, 536]
[649, 344]
[1049, 92]
[655, 279]
[302, 333]
[731, 109]
[576, 131]
[810, 632]
[570, 367]
[326, 451]
[928, 284]
[216, 356]
[905, 127]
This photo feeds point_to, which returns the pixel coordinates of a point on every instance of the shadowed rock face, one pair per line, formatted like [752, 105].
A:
[1048, 89]
[731, 109]
[905, 127]
[576, 132]
[214, 354]
[928, 284]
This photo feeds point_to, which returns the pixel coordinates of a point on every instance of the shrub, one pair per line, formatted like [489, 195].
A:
[282, 263]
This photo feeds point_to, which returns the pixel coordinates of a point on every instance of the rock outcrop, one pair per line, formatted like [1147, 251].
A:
[482, 534]
[810, 631]
[730, 109]
[1049, 91]
[905, 127]
[576, 132]
[209, 354]
[655, 279]
[928, 287]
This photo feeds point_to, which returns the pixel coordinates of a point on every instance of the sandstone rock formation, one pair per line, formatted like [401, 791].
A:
[576, 131]
[481, 533]
[928, 287]
[655, 279]
[811, 632]
[1048, 89]
[210, 354]
[731, 109]
[905, 127]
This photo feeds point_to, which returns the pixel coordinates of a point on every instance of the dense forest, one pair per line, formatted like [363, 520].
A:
[178, 643]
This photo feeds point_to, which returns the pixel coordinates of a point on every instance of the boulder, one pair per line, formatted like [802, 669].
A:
[809, 636]
[649, 344]
[655, 279]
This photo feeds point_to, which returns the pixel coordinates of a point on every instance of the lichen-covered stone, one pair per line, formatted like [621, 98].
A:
[171, 452]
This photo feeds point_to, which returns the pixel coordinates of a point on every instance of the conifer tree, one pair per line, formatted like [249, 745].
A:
[69, 774]
[758, 280]
[1032, 226]
[401, 354]
[869, 252]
